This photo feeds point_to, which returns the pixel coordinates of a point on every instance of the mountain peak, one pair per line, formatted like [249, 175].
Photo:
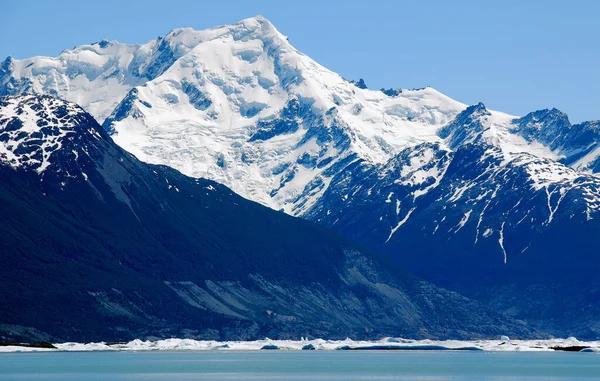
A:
[546, 126]
[258, 19]
[468, 126]
[547, 113]
[479, 107]
[7, 62]
[257, 23]
[34, 127]
[104, 43]
[257, 27]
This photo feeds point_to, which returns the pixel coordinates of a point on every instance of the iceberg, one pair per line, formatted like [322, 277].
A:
[175, 344]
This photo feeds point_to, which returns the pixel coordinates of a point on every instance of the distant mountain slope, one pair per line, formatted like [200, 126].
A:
[99, 246]
[517, 231]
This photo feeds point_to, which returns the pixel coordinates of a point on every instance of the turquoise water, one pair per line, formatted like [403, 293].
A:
[274, 365]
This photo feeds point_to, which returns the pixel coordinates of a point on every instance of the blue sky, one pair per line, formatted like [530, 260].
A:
[515, 56]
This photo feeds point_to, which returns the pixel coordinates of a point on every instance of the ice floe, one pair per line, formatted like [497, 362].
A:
[505, 344]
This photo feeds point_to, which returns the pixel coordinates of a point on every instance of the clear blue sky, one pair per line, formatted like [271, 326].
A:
[515, 56]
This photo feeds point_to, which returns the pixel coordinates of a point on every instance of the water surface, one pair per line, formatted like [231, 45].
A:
[293, 365]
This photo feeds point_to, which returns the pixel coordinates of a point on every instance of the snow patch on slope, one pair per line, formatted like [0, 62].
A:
[31, 131]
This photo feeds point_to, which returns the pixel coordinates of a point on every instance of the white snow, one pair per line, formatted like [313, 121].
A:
[544, 173]
[463, 221]
[499, 134]
[247, 72]
[319, 344]
[423, 167]
[583, 163]
[400, 223]
[247, 65]
[501, 240]
[31, 145]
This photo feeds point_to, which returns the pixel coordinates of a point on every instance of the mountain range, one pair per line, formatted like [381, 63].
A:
[501, 208]
[97, 245]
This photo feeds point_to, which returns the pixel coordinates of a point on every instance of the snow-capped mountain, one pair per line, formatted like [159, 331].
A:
[402, 170]
[468, 182]
[96, 77]
[237, 104]
[575, 145]
[517, 230]
[38, 130]
[97, 245]
[240, 105]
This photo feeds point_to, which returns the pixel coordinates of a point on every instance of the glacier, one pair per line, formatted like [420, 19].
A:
[240, 105]
[216, 104]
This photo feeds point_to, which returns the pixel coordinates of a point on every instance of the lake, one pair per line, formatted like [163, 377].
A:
[300, 365]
